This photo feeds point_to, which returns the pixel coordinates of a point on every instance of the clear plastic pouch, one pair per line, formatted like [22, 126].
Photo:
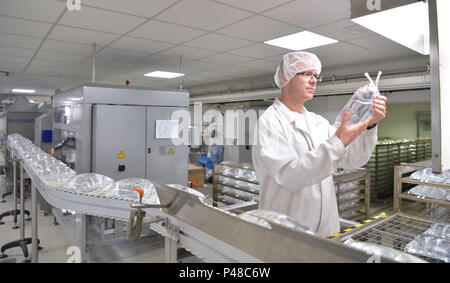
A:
[373, 249]
[231, 171]
[187, 189]
[275, 217]
[40, 164]
[87, 183]
[248, 175]
[254, 219]
[441, 230]
[229, 199]
[430, 192]
[430, 246]
[57, 171]
[238, 193]
[124, 189]
[360, 105]
[248, 186]
[228, 181]
[427, 175]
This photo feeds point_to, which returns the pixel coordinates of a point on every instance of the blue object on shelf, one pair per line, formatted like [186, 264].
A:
[215, 152]
[204, 160]
[47, 136]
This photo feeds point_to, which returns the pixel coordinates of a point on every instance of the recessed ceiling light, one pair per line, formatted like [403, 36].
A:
[165, 75]
[301, 40]
[20, 90]
[407, 25]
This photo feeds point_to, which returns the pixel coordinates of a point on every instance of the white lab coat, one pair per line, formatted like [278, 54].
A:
[294, 158]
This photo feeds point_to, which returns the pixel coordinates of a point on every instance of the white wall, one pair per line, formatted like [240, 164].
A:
[330, 106]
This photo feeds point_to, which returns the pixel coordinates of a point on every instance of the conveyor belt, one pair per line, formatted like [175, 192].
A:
[85, 203]
[211, 233]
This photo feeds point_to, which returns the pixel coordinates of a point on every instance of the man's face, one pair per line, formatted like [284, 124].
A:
[303, 85]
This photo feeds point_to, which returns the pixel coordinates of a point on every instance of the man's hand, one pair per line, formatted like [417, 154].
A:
[347, 134]
[379, 110]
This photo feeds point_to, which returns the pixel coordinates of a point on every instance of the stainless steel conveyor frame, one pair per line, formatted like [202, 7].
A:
[187, 221]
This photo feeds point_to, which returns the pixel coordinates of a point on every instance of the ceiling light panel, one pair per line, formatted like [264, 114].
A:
[407, 25]
[301, 40]
[162, 74]
[21, 90]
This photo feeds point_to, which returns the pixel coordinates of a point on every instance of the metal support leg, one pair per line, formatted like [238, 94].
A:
[15, 211]
[22, 204]
[22, 242]
[171, 243]
[80, 235]
[6, 192]
[15, 193]
[34, 224]
[171, 251]
[397, 189]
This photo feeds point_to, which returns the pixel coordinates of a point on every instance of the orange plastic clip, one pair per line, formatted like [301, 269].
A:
[141, 193]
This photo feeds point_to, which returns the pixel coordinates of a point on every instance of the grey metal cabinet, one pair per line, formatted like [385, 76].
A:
[166, 163]
[118, 141]
[111, 130]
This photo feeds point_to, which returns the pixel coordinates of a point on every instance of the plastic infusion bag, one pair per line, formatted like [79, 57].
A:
[360, 105]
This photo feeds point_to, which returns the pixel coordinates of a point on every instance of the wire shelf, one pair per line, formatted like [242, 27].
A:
[394, 232]
[437, 213]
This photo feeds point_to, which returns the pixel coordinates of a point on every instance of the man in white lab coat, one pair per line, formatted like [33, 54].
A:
[297, 151]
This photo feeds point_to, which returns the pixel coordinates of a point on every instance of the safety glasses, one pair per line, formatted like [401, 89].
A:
[308, 75]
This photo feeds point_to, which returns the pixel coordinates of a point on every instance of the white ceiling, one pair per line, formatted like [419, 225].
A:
[47, 47]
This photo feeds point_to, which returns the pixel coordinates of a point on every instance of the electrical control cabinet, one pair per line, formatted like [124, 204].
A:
[113, 131]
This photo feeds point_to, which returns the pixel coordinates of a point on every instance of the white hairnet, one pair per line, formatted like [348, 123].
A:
[293, 63]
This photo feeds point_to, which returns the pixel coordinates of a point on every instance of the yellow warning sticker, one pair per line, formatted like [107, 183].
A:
[121, 154]
[335, 235]
[171, 151]
[347, 230]
[358, 225]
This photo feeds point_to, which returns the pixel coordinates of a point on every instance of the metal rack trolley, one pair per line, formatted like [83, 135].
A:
[387, 155]
[358, 180]
[399, 229]
[395, 231]
[231, 199]
[400, 179]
